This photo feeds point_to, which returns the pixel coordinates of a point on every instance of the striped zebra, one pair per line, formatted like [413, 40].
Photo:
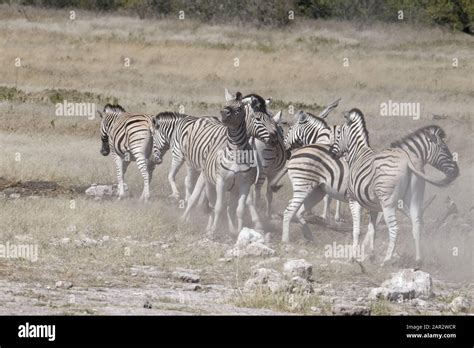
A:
[129, 137]
[383, 181]
[313, 173]
[272, 156]
[230, 161]
[190, 139]
[311, 129]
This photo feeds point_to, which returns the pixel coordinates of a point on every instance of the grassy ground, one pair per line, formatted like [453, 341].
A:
[175, 63]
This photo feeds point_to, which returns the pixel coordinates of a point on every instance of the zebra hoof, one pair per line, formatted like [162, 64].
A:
[418, 264]
[174, 196]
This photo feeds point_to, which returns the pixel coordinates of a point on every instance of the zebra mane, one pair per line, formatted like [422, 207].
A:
[423, 130]
[317, 119]
[110, 108]
[262, 106]
[361, 118]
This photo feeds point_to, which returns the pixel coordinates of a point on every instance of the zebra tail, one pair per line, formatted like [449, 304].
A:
[274, 183]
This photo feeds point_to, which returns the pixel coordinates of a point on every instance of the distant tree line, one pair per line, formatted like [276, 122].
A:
[458, 14]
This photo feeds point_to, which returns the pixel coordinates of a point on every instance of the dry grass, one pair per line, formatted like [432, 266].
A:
[186, 63]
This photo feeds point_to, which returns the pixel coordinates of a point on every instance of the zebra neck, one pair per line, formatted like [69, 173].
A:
[362, 152]
[416, 148]
[237, 139]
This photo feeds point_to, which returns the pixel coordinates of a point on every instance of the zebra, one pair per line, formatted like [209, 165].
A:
[311, 129]
[190, 139]
[272, 156]
[380, 182]
[223, 171]
[129, 137]
[313, 173]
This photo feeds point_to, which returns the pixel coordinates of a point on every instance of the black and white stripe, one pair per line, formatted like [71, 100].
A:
[379, 182]
[129, 137]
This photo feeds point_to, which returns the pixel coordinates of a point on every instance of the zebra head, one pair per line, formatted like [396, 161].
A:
[351, 136]
[259, 124]
[163, 126]
[439, 155]
[107, 117]
[308, 129]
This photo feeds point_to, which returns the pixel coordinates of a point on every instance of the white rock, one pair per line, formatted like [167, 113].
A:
[248, 236]
[259, 249]
[460, 304]
[266, 279]
[406, 284]
[104, 190]
[298, 268]
[63, 285]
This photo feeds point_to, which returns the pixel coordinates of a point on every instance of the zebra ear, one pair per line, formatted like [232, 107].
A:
[238, 96]
[228, 95]
[302, 117]
[278, 117]
[254, 103]
[268, 101]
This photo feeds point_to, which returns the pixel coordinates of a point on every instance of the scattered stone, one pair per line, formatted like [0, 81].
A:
[419, 303]
[193, 287]
[15, 195]
[65, 241]
[303, 253]
[460, 305]
[63, 285]
[147, 304]
[298, 268]
[249, 243]
[258, 249]
[165, 246]
[104, 190]
[266, 279]
[248, 236]
[186, 276]
[105, 238]
[316, 310]
[299, 285]
[348, 309]
[406, 284]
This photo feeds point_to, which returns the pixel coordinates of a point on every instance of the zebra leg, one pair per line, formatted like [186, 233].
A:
[243, 195]
[356, 212]
[299, 195]
[210, 194]
[391, 221]
[253, 211]
[190, 181]
[219, 204]
[232, 210]
[416, 213]
[311, 200]
[327, 208]
[142, 164]
[337, 216]
[176, 163]
[201, 182]
[369, 237]
[269, 197]
[151, 168]
[120, 167]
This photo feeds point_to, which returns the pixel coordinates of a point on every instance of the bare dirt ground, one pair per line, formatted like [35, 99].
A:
[119, 257]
